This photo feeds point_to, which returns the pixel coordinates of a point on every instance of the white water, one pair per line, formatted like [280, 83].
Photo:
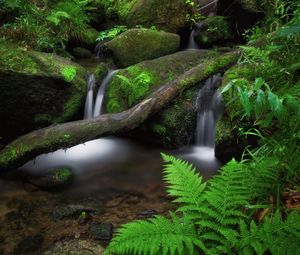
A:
[208, 105]
[192, 45]
[100, 95]
[88, 110]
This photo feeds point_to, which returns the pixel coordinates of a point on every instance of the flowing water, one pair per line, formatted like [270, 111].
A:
[209, 108]
[192, 44]
[100, 95]
[88, 110]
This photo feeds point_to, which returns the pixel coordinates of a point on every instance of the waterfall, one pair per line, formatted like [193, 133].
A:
[100, 94]
[209, 106]
[88, 110]
[192, 45]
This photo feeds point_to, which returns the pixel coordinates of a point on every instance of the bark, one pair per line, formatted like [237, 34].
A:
[69, 134]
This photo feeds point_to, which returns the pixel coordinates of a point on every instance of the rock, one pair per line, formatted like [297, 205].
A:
[101, 71]
[212, 31]
[70, 211]
[168, 15]
[29, 244]
[57, 178]
[75, 247]
[37, 89]
[136, 45]
[148, 213]
[89, 38]
[250, 5]
[175, 125]
[79, 52]
[101, 231]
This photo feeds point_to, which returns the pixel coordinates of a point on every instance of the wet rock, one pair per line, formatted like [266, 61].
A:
[129, 47]
[70, 211]
[75, 247]
[56, 178]
[29, 245]
[79, 52]
[148, 213]
[101, 231]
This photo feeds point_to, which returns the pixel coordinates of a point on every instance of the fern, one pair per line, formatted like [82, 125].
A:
[215, 215]
[155, 236]
[274, 235]
[184, 183]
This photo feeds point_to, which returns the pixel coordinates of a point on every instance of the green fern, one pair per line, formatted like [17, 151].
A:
[216, 216]
[155, 236]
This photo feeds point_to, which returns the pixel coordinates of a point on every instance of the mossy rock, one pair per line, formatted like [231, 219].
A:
[136, 45]
[147, 76]
[79, 52]
[37, 89]
[167, 15]
[56, 178]
[213, 31]
[175, 125]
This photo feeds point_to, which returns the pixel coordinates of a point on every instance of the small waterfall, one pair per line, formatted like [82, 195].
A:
[209, 106]
[192, 45]
[100, 94]
[88, 110]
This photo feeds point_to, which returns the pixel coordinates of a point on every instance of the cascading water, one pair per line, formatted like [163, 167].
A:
[208, 105]
[192, 45]
[100, 94]
[88, 110]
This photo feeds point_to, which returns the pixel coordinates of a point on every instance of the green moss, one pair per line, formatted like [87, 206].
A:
[152, 74]
[223, 130]
[63, 175]
[136, 45]
[68, 73]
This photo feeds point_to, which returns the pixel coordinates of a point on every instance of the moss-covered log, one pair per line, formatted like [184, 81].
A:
[65, 135]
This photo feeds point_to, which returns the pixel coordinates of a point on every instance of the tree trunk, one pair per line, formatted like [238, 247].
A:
[69, 134]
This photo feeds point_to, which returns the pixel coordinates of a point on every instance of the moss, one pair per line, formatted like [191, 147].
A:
[47, 87]
[63, 175]
[129, 47]
[68, 73]
[223, 130]
[153, 74]
[101, 71]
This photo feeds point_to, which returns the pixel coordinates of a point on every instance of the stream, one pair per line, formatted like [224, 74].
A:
[116, 180]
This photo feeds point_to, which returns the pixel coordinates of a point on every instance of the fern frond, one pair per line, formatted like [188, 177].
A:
[156, 236]
[184, 183]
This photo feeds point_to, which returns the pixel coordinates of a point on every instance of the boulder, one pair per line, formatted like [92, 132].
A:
[136, 45]
[174, 126]
[37, 89]
[168, 15]
[213, 30]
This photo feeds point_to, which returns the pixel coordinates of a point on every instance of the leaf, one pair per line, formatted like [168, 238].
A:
[259, 103]
[244, 99]
[258, 83]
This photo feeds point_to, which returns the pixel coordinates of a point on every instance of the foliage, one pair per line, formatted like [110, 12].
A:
[111, 33]
[215, 215]
[135, 88]
[46, 26]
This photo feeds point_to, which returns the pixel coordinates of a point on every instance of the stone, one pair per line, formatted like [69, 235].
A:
[37, 89]
[70, 211]
[101, 231]
[54, 179]
[136, 45]
[167, 15]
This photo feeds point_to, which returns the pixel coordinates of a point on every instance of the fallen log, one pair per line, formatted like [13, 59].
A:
[69, 134]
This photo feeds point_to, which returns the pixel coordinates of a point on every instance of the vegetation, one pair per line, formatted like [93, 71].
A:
[243, 209]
